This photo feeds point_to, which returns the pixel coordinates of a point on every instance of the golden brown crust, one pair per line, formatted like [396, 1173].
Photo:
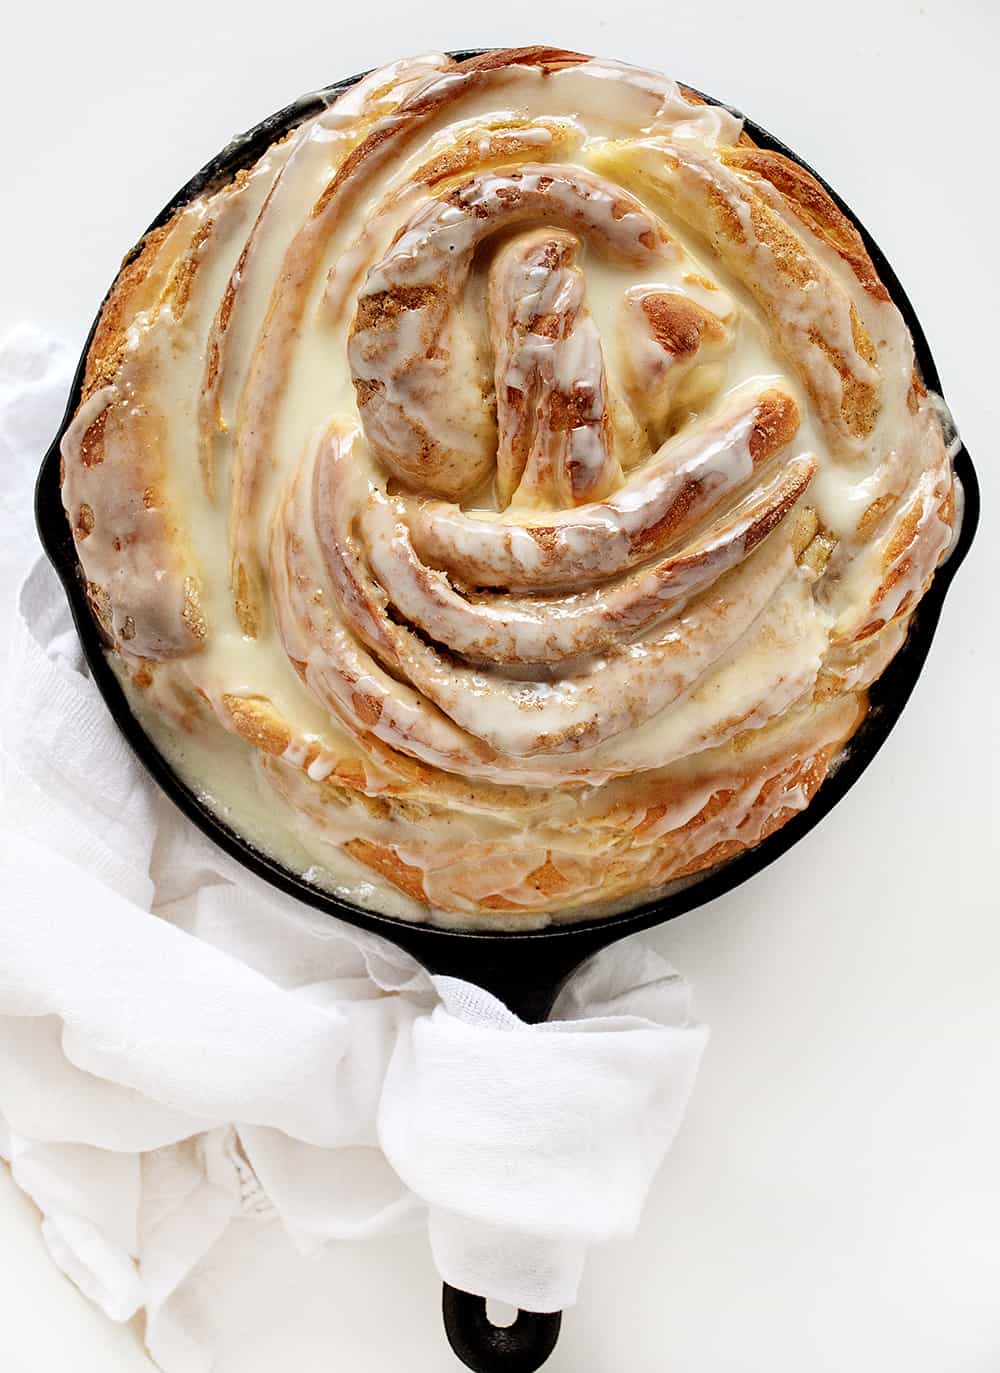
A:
[403, 876]
[807, 777]
[548, 59]
[775, 424]
[860, 403]
[255, 720]
[679, 324]
[811, 204]
[510, 140]
[104, 353]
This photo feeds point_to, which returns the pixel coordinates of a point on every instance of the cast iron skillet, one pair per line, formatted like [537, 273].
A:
[525, 970]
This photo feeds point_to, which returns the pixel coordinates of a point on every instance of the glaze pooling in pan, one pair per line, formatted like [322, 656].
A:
[515, 478]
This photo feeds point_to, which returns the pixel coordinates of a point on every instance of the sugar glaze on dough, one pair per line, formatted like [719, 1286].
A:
[498, 498]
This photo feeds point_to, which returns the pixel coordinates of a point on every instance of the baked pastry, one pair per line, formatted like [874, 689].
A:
[499, 497]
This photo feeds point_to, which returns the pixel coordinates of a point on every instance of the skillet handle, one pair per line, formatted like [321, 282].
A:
[528, 985]
[488, 1348]
[525, 1345]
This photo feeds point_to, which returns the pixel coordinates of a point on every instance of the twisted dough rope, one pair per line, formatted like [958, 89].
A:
[423, 413]
[556, 440]
[505, 385]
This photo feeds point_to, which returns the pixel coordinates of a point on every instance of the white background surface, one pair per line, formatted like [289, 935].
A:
[833, 1202]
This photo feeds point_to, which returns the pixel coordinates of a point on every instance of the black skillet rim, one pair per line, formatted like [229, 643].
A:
[473, 952]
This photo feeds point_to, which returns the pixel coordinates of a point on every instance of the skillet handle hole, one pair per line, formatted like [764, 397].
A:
[521, 1346]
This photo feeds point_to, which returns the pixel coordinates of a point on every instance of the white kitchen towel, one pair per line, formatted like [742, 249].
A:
[202, 1083]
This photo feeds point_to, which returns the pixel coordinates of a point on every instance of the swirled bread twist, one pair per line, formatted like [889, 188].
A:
[516, 475]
